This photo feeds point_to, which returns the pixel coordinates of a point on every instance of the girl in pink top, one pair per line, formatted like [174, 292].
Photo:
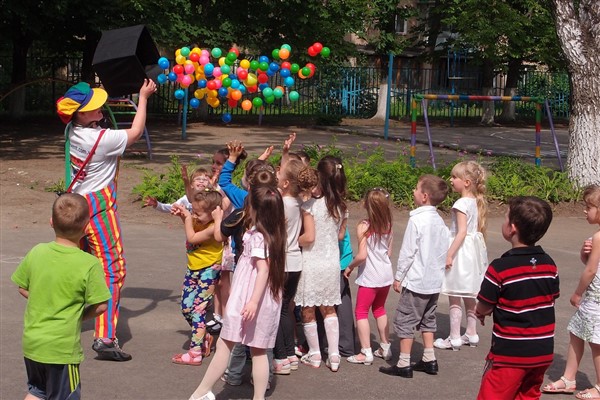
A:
[252, 312]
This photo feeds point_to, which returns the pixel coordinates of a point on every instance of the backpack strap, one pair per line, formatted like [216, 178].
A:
[87, 160]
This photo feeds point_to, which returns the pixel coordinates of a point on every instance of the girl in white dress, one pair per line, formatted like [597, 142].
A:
[585, 324]
[466, 261]
[324, 219]
[252, 312]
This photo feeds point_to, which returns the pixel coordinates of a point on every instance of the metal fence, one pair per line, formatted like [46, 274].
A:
[340, 91]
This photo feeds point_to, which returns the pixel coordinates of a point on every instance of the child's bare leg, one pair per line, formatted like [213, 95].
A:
[364, 336]
[574, 355]
[260, 372]
[225, 289]
[216, 368]
[428, 352]
[382, 328]
[470, 305]
[596, 359]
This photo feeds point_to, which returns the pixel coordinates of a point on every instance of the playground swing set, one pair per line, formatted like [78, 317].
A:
[539, 103]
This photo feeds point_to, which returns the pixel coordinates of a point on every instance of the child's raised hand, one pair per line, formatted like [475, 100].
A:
[148, 88]
[235, 148]
[287, 144]
[586, 249]
[575, 300]
[184, 176]
[217, 214]
[150, 201]
[266, 154]
[249, 311]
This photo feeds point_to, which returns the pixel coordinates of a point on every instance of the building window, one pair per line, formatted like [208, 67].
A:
[400, 25]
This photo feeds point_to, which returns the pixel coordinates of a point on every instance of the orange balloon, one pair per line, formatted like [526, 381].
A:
[246, 105]
[284, 54]
[236, 95]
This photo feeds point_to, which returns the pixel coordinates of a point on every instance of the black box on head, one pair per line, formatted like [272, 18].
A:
[124, 58]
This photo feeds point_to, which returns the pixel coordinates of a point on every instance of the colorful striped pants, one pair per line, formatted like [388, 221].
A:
[103, 239]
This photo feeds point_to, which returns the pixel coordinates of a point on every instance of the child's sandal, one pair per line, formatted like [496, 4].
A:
[569, 386]
[189, 358]
[588, 394]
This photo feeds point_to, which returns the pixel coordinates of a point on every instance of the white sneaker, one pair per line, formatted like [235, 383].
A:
[448, 343]
[207, 396]
[471, 341]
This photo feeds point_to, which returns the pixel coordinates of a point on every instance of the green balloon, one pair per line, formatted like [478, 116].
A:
[269, 99]
[229, 62]
[306, 71]
[294, 68]
[287, 47]
[275, 54]
[325, 51]
[216, 52]
[226, 69]
[185, 51]
[226, 82]
[267, 92]
[294, 96]
[231, 56]
[257, 102]
[254, 65]
[278, 93]
[263, 66]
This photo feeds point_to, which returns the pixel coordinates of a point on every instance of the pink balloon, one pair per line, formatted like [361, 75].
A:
[204, 52]
[189, 68]
[186, 80]
[204, 60]
[218, 83]
[217, 72]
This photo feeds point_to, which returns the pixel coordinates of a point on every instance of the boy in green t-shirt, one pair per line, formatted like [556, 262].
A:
[58, 280]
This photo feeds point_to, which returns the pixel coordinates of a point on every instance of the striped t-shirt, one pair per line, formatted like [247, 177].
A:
[522, 286]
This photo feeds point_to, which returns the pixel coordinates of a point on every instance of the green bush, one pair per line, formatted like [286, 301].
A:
[366, 169]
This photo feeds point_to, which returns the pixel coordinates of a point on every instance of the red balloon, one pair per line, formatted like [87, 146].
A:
[318, 47]
[194, 57]
[286, 65]
[242, 74]
[178, 69]
[252, 89]
[232, 103]
[312, 68]
[263, 78]
[236, 51]
[211, 85]
[312, 52]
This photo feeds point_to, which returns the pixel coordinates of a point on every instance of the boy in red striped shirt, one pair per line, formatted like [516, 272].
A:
[519, 289]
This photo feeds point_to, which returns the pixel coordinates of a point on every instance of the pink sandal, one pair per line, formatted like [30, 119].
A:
[190, 358]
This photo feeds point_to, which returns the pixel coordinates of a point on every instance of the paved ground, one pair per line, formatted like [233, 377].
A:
[152, 329]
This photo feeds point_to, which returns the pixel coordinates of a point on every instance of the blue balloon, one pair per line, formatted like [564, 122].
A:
[172, 76]
[179, 94]
[263, 59]
[289, 81]
[208, 69]
[162, 78]
[270, 73]
[285, 72]
[235, 84]
[223, 91]
[226, 118]
[242, 89]
[263, 86]
[194, 103]
[274, 67]
[163, 63]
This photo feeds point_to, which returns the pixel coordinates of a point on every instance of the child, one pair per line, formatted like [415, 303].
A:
[583, 326]
[324, 221]
[199, 180]
[81, 107]
[253, 310]
[420, 274]
[520, 289]
[467, 256]
[58, 280]
[204, 257]
[285, 360]
[374, 274]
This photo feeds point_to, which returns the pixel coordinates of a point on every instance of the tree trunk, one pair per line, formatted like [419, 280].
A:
[577, 31]
[19, 76]
[487, 115]
[512, 80]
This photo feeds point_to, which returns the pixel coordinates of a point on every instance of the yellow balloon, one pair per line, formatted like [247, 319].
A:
[221, 61]
[177, 53]
[251, 80]
[180, 60]
[199, 94]
[212, 94]
[245, 64]
[216, 103]
[196, 50]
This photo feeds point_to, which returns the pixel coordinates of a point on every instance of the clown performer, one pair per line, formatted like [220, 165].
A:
[98, 151]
